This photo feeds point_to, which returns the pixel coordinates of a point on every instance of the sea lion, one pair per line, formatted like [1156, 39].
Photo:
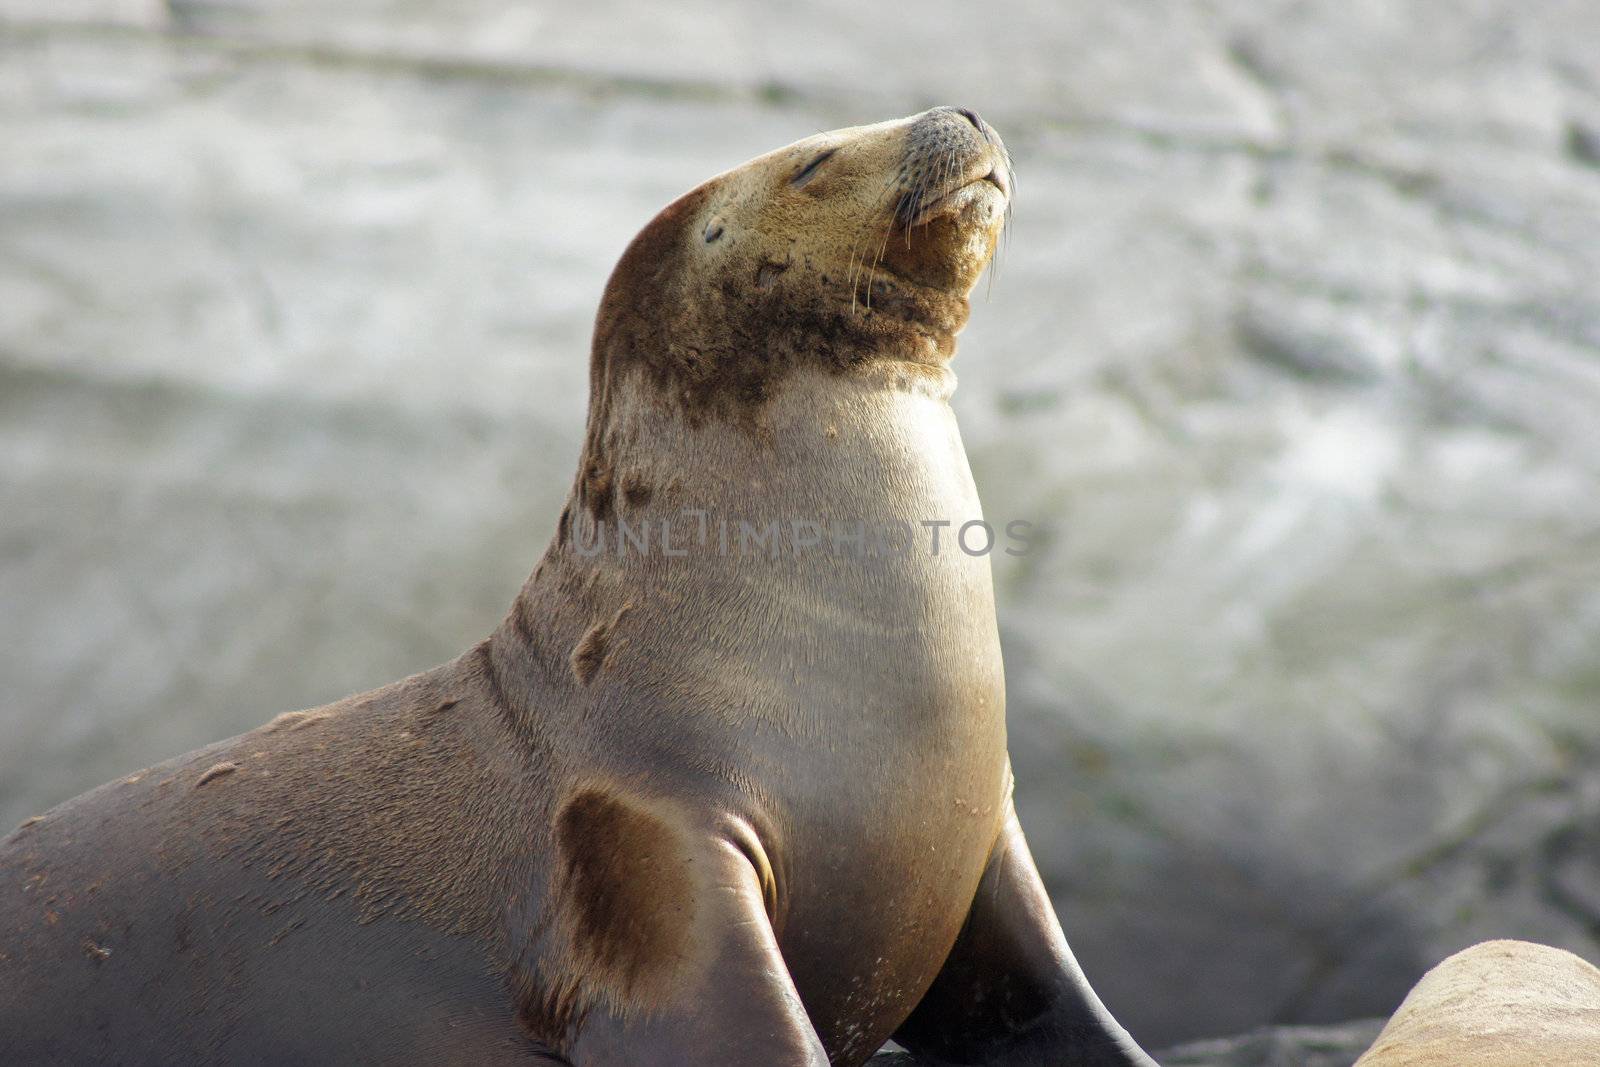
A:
[1497, 1004]
[689, 804]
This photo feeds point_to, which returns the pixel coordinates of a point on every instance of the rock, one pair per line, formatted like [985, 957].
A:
[1498, 1004]
[1279, 1046]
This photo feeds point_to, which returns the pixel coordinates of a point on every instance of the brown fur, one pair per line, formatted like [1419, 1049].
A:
[296, 720]
[591, 652]
[372, 805]
[627, 885]
[595, 489]
[216, 771]
[636, 491]
[720, 346]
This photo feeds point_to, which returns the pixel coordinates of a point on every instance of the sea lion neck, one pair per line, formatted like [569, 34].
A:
[730, 532]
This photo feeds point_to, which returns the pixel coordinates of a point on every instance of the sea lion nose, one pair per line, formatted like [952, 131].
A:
[971, 116]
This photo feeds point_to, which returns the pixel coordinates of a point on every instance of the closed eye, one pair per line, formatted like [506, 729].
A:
[810, 169]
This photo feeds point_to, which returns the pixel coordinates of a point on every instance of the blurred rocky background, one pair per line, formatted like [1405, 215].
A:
[1294, 348]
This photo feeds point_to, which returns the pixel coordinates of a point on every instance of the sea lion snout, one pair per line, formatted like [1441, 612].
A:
[972, 149]
[953, 197]
[951, 148]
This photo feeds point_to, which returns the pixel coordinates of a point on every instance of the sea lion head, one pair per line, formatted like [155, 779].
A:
[845, 248]
[920, 199]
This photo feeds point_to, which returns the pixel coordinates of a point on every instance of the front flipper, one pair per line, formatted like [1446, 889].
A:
[1011, 994]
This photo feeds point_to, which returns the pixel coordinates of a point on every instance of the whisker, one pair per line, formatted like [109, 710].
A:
[951, 161]
[857, 244]
[872, 275]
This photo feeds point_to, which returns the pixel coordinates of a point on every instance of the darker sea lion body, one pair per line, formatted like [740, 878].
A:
[686, 805]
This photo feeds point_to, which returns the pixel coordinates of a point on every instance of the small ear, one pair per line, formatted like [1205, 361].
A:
[714, 229]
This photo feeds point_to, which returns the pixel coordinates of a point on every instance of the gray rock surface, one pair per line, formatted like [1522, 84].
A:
[1282, 1046]
[1294, 349]
[1272, 1046]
